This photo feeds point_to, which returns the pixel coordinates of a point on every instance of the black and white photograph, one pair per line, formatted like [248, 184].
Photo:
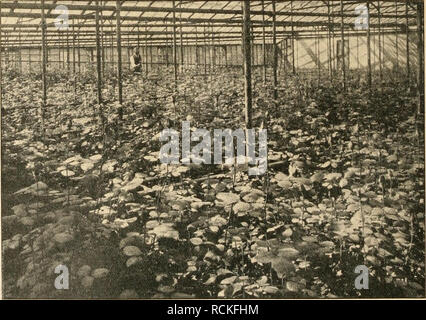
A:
[212, 150]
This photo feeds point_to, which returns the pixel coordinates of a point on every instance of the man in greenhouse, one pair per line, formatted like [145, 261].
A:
[135, 61]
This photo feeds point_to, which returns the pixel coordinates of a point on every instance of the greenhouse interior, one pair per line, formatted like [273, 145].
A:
[90, 90]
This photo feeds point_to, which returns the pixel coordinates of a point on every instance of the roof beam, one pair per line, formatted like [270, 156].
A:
[36, 6]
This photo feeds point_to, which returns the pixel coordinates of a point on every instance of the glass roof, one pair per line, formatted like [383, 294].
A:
[153, 20]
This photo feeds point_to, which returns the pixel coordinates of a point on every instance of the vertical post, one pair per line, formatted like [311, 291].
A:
[128, 48]
[20, 48]
[138, 40]
[368, 47]
[285, 43]
[62, 45]
[174, 44]
[380, 42]
[29, 59]
[98, 55]
[333, 43]
[343, 46]
[1, 68]
[68, 50]
[330, 65]
[40, 54]
[59, 49]
[247, 63]
[420, 58]
[396, 35]
[102, 42]
[317, 40]
[150, 56]
[196, 48]
[212, 50]
[146, 47]
[357, 51]
[275, 50]
[263, 42]
[407, 42]
[292, 39]
[205, 50]
[118, 38]
[78, 47]
[112, 47]
[167, 47]
[73, 48]
[43, 63]
[252, 48]
[181, 37]
[73, 60]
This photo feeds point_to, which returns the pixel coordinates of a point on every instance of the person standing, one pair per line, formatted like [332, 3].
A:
[136, 61]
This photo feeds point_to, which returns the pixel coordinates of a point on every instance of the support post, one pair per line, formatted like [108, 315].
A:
[118, 38]
[318, 53]
[102, 42]
[343, 46]
[396, 35]
[330, 65]
[181, 38]
[1, 69]
[263, 42]
[420, 58]
[73, 61]
[98, 56]
[196, 48]
[247, 64]
[73, 48]
[78, 47]
[19, 52]
[380, 43]
[292, 39]
[205, 51]
[146, 48]
[68, 50]
[212, 51]
[112, 47]
[43, 63]
[275, 51]
[368, 48]
[175, 71]
[29, 60]
[407, 43]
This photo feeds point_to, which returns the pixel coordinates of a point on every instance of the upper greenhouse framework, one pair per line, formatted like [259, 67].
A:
[153, 21]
